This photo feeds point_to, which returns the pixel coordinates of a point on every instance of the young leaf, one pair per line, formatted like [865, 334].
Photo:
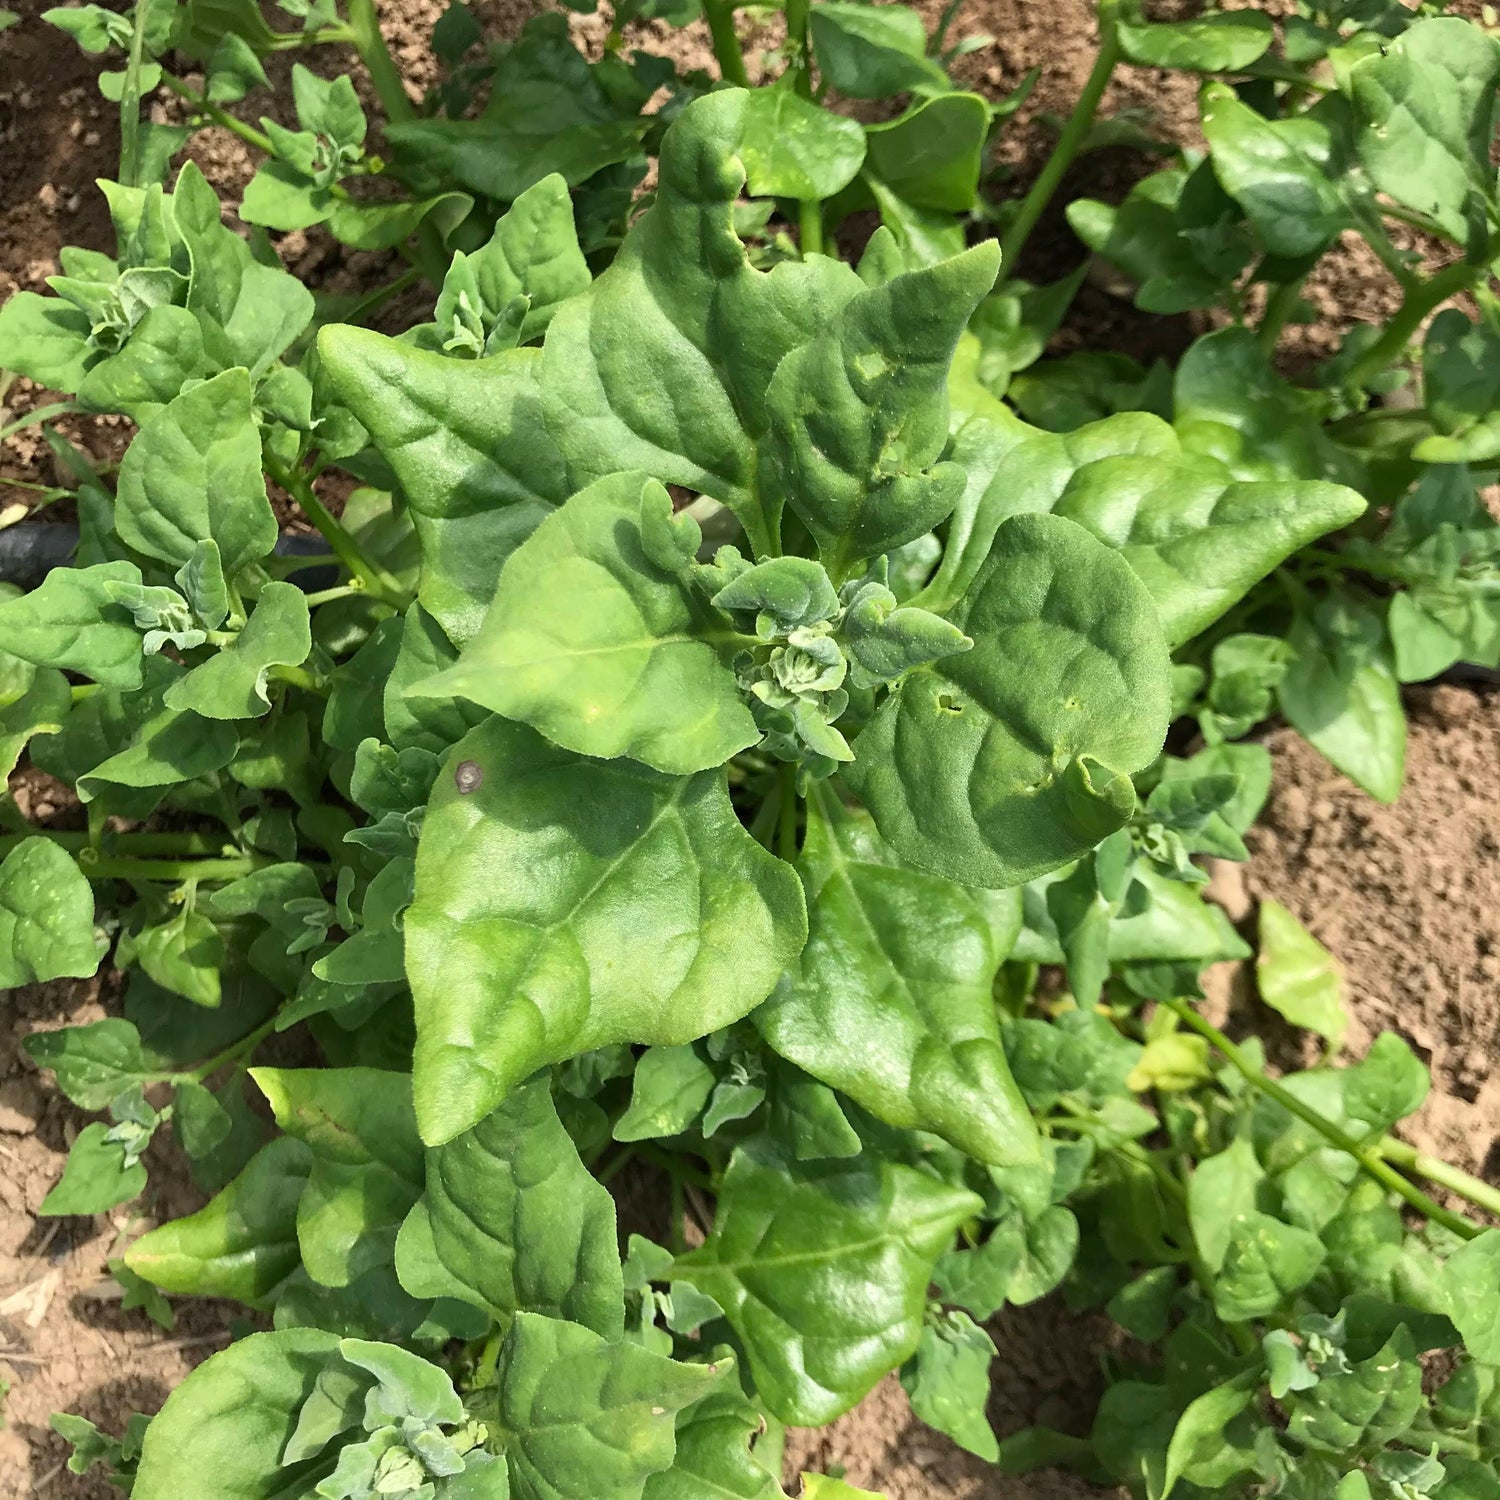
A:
[890, 1002]
[367, 1167]
[512, 1222]
[71, 620]
[46, 916]
[948, 1382]
[193, 474]
[243, 1242]
[670, 1088]
[579, 1416]
[598, 637]
[232, 1418]
[1298, 976]
[232, 683]
[661, 920]
[997, 765]
[97, 1177]
[822, 1269]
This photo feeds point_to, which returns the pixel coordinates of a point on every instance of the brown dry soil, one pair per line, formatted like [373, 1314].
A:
[1408, 896]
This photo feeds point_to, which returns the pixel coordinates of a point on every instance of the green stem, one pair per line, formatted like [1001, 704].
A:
[727, 51]
[379, 583]
[40, 414]
[205, 106]
[786, 832]
[290, 41]
[810, 226]
[128, 843]
[1369, 1157]
[298, 677]
[1281, 304]
[242, 1048]
[106, 867]
[130, 99]
[1480, 1194]
[1075, 132]
[1421, 300]
[364, 28]
[798, 17]
[338, 591]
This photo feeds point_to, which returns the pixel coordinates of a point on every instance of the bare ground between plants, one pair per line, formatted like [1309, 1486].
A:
[1407, 896]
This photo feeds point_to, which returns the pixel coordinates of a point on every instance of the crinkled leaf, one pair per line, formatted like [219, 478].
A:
[891, 1000]
[822, 1269]
[994, 766]
[661, 918]
[512, 1222]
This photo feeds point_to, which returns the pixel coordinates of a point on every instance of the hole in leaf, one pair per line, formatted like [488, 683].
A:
[949, 704]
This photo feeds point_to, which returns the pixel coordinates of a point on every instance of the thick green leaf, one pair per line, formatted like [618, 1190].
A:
[366, 1162]
[243, 1242]
[193, 474]
[46, 339]
[1426, 107]
[717, 1455]
[1298, 977]
[997, 765]
[582, 1419]
[46, 916]
[871, 51]
[1340, 693]
[422, 720]
[660, 919]
[232, 1417]
[822, 1268]
[891, 1000]
[1220, 42]
[470, 446]
[859, 414]
[232, 683]
[599, 638]
[96, 1177]
[1469, 1278]
[791, 148]
[72, 620]
[512, 1222]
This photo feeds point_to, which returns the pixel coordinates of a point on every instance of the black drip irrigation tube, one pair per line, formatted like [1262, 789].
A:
[29, 551]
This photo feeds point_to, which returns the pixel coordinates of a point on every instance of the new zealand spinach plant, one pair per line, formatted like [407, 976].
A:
[723, 706]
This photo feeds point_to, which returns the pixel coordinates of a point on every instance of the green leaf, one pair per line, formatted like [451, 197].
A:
[1220, 42]
[1298, 977]
[1469, 1277]
[95, 1178]
[860, 415]
[997, 765]
[1390, 1084]
[871, 51]
[193, 474]
[931, 156]
[670, 1088]
[71, 620]
[47, 339]
[232, 683]
[96, 1063]
[1278, 171]
[46, 916]
[717, 1456]
[40, 709]
[422, 720]
[598, 638]
[1340, 693]
[243, 1242]
[1020, 1262]
[183, 954]
[165, 352]
[1363, 1408]
[579, 1416]
[791, 148]
[891, 1001]
[367, 1167]
[1264, 1262]
[822, 1269]
[1209, 1447]
[1426, 108]
[948, 1382]
[512, 1222]
[1197, 537]
[232, 1418]
[661, 919]
[1222, 1188]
